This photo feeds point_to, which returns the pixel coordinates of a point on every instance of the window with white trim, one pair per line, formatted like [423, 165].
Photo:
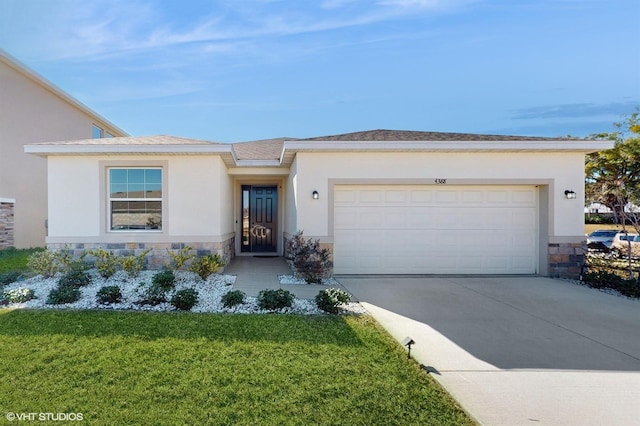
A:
[135, 199]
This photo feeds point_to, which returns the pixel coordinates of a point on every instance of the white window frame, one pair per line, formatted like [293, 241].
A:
[110, 199]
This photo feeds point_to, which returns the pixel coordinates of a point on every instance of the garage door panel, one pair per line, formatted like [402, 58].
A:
[390, 229]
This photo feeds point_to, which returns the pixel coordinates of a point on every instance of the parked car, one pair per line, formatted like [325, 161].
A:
[601, 239]
[622, 242]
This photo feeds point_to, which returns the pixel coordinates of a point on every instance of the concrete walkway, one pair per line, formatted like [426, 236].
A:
[254, 274]
[517, 350]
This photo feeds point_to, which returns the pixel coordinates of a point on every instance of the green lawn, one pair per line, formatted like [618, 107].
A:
[15, 260]
[185, 368]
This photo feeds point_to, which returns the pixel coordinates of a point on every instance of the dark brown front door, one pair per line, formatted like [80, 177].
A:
[260, 230]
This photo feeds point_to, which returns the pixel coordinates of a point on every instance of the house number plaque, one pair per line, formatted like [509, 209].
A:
[259, 231]
[440, 181]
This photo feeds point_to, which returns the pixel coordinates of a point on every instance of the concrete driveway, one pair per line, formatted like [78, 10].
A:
[517, 350]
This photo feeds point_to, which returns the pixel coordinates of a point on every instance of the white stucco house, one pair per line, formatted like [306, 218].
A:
[384, 202]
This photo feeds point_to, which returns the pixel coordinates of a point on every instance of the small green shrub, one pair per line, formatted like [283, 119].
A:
[273, 300]
[165, 280]
[109, 294]
[132, 265]
[9, 277]
[63, 294]
[19, 295]
[106, 262]
[233, 298]
[75, 278]
[44, 263]
[180, 259]
[206, 265]
[154, 295]
[331, 299]
[185, 299]
[602, 279]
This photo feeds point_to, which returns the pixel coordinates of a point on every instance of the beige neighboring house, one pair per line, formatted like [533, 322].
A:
[383, 201]
[34, 110]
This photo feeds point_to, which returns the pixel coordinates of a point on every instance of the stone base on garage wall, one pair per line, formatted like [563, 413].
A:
[159, 255]
[566, 260]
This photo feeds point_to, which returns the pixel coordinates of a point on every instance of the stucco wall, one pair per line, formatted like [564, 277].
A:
[558, 170]
[291, 202]
[197, 199]
[30, 113]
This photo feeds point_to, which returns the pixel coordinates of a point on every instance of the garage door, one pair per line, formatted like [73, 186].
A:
[435, 229]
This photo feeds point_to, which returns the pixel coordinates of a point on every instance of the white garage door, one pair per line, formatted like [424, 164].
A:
[435, 229]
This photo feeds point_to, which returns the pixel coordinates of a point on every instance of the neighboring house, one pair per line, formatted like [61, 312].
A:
[384, 202]
[34, 110]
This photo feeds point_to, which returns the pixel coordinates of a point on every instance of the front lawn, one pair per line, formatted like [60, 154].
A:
[187, 368]
[12, 259]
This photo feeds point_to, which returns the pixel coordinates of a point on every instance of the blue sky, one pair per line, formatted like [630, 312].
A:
[239, 70]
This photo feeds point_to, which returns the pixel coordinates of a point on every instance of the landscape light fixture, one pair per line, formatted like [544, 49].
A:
[570, 194]
[315, 195]
[408, 341]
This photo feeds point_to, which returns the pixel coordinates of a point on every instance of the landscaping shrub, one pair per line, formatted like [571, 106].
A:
[604, 279]
[44, 263]
[63, 294]
[331, 299]
[109, 294]
[9, 277]
[165, 280]
[180, 259]
[233, 298]
[133, 265]
[185, 299]
[106, 262]
[154, 295]
[309, 261]
[75, 278]
[273, 300]
[18, 295]
[161, 283]
[206, 265]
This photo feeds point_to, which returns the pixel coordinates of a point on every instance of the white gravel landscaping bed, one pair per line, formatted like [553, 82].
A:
[210, 293]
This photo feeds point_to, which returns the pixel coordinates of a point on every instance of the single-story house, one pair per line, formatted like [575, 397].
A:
[384, 202]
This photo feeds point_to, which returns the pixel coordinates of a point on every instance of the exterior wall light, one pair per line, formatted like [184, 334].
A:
[315, 195]
[570, 194]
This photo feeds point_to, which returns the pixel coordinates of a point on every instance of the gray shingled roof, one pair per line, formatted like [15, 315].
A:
[411, 135]
[266, 149]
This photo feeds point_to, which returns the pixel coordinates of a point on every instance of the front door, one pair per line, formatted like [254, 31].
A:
[260, 219]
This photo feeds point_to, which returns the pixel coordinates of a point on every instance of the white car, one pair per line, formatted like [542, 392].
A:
[601, 239]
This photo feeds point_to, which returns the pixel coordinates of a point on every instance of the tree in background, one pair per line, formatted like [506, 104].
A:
[613, 175]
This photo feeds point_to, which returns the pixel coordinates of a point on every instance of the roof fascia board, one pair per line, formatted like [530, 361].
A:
[47, 85]
[257, 163]
[551, 145]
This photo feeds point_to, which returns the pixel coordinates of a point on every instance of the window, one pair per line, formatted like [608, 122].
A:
[96, 132]
[135, 199]
[108, 135]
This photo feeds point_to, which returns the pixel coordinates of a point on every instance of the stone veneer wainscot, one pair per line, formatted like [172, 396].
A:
[159, 256]
[6, 223]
